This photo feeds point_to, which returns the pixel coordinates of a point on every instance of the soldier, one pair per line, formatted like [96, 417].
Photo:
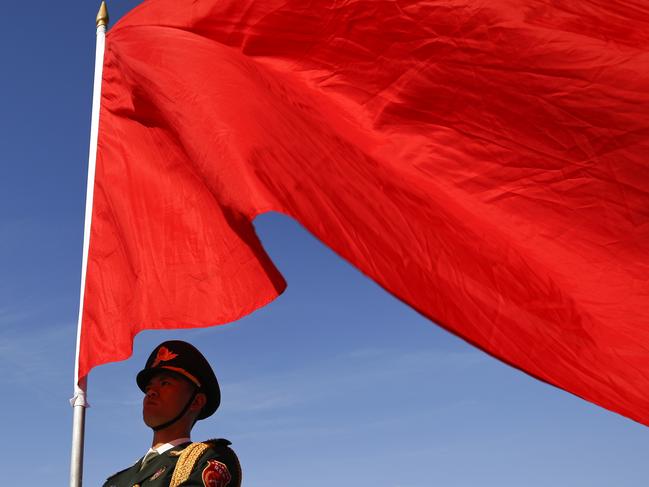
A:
[180, 388]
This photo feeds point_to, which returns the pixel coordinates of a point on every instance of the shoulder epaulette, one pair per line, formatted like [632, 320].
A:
[216, 442]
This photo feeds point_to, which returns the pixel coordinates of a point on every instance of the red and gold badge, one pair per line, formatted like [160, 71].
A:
[158, 473]
[163, 355]
[216, 474]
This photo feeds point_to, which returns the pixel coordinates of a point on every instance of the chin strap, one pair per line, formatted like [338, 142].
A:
[178, 416]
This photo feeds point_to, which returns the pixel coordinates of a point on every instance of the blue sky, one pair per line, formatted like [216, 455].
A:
[336, 382]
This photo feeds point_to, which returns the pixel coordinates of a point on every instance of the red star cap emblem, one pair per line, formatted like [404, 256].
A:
[163, 355]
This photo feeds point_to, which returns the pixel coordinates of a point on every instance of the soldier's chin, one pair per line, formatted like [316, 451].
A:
[151, 420]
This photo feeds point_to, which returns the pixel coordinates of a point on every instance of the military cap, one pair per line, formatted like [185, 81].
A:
[184, 359]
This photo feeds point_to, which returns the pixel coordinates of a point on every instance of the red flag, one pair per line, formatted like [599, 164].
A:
[484, 162]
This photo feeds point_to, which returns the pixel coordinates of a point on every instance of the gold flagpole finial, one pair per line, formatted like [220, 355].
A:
[102, 15]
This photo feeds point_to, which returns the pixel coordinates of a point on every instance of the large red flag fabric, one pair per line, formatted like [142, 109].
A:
[485, 162]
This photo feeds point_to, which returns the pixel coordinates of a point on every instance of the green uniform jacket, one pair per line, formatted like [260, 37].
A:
[217, 467]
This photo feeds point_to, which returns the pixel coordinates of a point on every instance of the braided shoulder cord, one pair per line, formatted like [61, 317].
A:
[186, 462]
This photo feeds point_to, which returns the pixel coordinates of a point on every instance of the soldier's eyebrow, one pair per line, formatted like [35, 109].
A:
[166, 376]
[162, 376]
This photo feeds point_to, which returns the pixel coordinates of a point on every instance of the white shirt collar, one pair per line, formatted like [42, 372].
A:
[168, 446]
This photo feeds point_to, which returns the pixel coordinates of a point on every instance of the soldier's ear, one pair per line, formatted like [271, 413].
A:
[199, 402]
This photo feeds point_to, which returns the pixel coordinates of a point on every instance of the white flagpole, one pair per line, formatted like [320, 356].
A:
[78, 401]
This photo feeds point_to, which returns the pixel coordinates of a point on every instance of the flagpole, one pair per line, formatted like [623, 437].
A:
[78, 401]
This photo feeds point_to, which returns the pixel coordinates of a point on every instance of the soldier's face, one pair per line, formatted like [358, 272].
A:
[166, 395]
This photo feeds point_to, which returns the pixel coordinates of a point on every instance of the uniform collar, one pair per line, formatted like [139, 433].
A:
[160, 462]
